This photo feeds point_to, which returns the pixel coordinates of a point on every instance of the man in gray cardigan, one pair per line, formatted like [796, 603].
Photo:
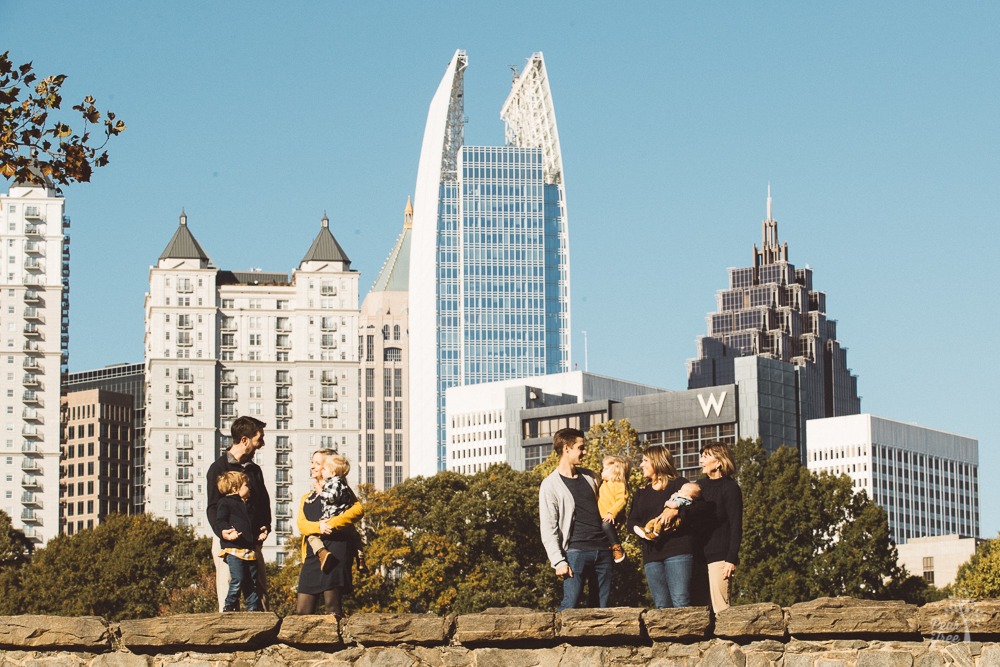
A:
[571, 524]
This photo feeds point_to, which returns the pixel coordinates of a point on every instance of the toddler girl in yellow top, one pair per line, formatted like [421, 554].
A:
[611, 499]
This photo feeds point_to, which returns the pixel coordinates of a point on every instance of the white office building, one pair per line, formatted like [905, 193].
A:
[222, 344]
[937, 558]
[34, 330]
[927, 480]
[483, 420]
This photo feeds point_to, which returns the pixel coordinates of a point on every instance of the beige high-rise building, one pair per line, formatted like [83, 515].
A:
[34, 339]
[220, 344]
[384, 449]
[96, 465]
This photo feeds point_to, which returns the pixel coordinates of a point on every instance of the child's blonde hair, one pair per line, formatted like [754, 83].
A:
[337, 465]
[231, 482]
[619, 467]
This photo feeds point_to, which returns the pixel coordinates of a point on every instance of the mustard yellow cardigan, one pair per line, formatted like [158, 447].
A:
[306, 527]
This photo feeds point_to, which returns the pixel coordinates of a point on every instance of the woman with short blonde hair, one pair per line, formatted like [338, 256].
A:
[722, 528]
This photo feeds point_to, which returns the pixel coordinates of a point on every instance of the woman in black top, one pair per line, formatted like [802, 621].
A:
[722, 529]
[668, 557]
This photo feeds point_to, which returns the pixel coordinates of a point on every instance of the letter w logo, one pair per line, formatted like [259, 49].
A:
[712, 403]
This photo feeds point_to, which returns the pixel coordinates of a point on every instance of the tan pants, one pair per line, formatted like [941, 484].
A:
[222, 575]
[717, 586]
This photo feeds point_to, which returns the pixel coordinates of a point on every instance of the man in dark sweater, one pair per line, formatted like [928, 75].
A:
[248, 437]
[570, 524]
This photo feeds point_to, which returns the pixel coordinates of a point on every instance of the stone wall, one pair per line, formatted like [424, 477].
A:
[829, 632]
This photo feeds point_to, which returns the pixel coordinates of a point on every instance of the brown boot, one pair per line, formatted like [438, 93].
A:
[617, 553]
[324, 559]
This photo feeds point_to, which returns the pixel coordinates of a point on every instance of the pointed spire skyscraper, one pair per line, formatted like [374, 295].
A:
[771, 310]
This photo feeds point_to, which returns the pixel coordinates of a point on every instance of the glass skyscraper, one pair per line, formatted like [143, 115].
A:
[771, 309]
[489, 267]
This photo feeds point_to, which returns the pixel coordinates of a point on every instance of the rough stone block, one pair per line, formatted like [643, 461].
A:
[848, 616]
[954, 620]
[873, 658]
[398, 628]
[611, 622]
[508, 624]
[314, 629]
[763, 620]
[684, 623]
[119, 659]
[35, 631]
[237, 630]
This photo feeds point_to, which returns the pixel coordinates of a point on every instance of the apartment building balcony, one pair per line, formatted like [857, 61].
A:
[31, 347]
[184, 322]
[184, 341]
[33, 264]
[31, 465]
[283, 379]
[33, 296]
[33, 314]
[186, 379]
[328, 324]
[228, 379]
[283, 461]
[32, 499]
[36, 248]
[184, 476]
[30, 516]
[184, 410]
[185, 288]
[184, 494]
[31, 482]
[31, 431]
[184, 511]
[185, 392]
[282, 412]
[32, 415]
[31, 448]
[328, 377]
[184, 442]
[283, 395]
[283, 343]
[33, 213]
[32, 398]
[228, 324]
[34, 230]
[283, 326]
[31, 380]
[31, 330]
[33, 364]
[185, 459]
[328, 394]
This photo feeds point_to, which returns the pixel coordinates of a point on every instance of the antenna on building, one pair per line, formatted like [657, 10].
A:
[586, 361]
[513, 69]
[769, 218]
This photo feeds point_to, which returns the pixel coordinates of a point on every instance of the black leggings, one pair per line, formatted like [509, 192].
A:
[610, 532]
[305, 603]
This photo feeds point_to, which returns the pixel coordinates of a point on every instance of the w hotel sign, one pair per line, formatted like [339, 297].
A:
[709, 405]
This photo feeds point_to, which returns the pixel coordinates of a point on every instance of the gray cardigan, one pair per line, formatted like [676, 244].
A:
[556, 510]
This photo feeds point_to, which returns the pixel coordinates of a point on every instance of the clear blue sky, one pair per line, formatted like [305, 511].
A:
[877, 125]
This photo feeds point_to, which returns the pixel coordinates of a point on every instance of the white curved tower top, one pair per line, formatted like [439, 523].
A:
[531, 117]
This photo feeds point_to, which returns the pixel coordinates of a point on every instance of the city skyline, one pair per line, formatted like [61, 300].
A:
[874, 126]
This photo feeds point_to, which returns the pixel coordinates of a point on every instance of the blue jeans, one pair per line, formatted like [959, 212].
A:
[669, 581]
[242, 577]
[594, 568]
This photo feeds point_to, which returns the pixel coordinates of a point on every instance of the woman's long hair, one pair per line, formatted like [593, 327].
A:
[663, 463]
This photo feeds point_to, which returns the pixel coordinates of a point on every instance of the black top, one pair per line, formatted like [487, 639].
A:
[260, 502]
[722, 530]
[342, 545]
[586, 533]
[647, 503]
[235, 513]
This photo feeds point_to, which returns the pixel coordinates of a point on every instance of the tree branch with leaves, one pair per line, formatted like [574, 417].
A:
[35, 146]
